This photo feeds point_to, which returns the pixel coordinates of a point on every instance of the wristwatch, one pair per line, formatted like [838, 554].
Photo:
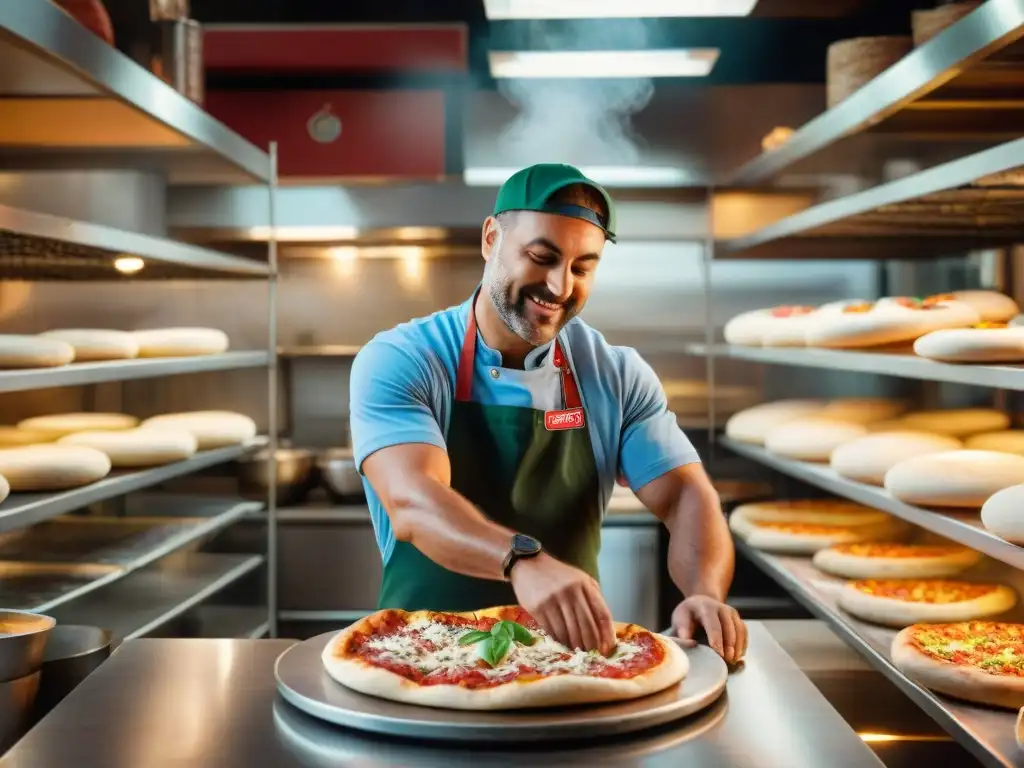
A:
[522, 547]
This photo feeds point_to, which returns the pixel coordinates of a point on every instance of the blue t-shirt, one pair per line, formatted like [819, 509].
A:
[403, 385]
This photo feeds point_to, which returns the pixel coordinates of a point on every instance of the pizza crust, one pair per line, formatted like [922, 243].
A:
[972, 345]
[556, 691]
[992, 306]
[863, 410]
[956, 422]
[770, 539]
[888, 323]
[1004, 441]
[961, 682]
[902, 613]
[853, 566]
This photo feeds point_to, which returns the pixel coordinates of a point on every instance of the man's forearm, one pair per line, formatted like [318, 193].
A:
[448, 529]
[700, 553]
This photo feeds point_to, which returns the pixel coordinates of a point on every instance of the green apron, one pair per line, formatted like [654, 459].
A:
[529, 470]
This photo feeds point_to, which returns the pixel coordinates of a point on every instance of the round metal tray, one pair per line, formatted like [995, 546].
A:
[303, 682]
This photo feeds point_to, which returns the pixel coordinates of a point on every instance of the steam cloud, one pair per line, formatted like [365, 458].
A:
[577, 121]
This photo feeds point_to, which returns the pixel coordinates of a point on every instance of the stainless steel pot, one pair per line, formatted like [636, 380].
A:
[339, 476]
[23, 638]
[295, 472]
[72, 654]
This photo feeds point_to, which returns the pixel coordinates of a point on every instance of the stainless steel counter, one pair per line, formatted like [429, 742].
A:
[213, 703]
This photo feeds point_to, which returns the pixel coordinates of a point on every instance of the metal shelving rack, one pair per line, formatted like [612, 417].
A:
[959, 98]
[72, 102]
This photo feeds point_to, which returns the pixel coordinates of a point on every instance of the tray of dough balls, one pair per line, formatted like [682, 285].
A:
[964, 463]
[60, 452]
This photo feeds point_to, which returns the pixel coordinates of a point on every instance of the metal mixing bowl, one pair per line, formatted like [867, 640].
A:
[294, 472]
[339, 475]
[23, 637]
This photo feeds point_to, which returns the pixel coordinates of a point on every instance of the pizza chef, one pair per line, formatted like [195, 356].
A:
[490, 436]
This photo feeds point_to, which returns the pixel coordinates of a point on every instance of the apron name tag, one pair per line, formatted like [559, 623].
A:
[571, 418]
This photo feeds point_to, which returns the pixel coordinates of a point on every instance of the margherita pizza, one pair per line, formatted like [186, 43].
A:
[902, 602]
[979, 661]
[892, 560]
[497, 658]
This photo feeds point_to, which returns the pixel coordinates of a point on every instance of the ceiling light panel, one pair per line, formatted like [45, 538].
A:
[672, 62]
[614, 9]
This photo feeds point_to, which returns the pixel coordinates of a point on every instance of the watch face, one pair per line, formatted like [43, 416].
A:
[524, 544]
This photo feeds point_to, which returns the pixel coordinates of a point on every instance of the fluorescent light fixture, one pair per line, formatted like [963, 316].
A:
[614, 9]
[669, 62]
[608, 175]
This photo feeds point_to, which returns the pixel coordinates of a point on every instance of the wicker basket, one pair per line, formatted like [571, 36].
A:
[853, 63]
[927, 24]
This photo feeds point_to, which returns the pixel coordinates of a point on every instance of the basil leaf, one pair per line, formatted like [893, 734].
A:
[521, 634]
[494, 650]
[502, 629]
[473, 637]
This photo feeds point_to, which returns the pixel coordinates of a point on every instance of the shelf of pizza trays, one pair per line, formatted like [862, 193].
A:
[905, 365]
[963, 528]
[41, 246]
[77, 374]
[72, 100]
[962, 82]
[61, 560]
[22, 509]
[973, 202]
[987, 732]
[152, 598]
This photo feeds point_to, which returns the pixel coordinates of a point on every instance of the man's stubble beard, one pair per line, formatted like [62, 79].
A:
[513, 313]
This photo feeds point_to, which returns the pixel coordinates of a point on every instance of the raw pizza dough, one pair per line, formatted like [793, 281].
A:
[138, 447]
[59, 424]
[34, 352]
[882, 323]
[791, 331]
[753, 424]
[806, 538]
[954, 478]
[973, 345]
[956, 422]
[902, 602]
[894, 560]
[863, 410]
[812, 438]
[181, 342]
[992, 306]
[212, 429]
[1004, 441]
[1003, 514]
[52, 467]
[385, 637]
[866, 459]
[815, 511]
[978, 661]
[12, 437]
[96, 344]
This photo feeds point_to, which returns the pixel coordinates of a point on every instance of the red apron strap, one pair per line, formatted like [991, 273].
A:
[570, 392]
[467, 362]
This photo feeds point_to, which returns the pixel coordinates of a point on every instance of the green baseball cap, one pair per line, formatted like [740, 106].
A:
[531, 189]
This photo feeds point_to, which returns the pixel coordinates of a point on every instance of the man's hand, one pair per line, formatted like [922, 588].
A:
[727, 634]
[565, 601]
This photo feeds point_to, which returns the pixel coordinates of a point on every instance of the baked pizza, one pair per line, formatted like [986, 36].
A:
[821, 511]
[902, 602]
[894, 560]
[805, 538]
[498, 658]
[978, 661]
